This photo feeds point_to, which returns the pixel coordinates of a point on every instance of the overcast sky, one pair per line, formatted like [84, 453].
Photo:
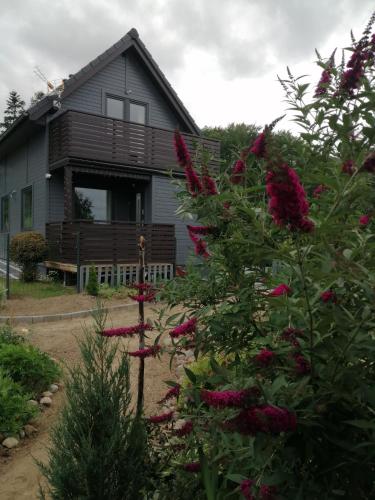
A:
[221, 56]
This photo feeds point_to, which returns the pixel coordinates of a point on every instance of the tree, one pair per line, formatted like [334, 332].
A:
[98, 448]
[15, 107]
[38, 95]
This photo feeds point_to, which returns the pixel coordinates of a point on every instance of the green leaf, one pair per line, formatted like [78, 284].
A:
[361, 424]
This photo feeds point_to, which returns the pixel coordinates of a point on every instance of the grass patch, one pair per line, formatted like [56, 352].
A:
[37, 289]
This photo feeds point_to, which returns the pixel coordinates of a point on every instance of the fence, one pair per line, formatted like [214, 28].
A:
[5, 265]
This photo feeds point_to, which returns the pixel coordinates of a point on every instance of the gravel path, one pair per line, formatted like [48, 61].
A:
[19, 475]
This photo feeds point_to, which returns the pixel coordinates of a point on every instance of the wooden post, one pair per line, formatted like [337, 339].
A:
[78, 261]
[141, 309]
[7, 283]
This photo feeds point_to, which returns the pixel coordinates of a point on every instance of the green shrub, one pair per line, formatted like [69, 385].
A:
[110, 292]
[29, 367]
[14, 409]
[98, 448]
[8, 335]
[92, 287]
[27, 250]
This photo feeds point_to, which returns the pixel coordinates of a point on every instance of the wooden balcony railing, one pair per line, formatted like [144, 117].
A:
[114, 242]
[81, 135]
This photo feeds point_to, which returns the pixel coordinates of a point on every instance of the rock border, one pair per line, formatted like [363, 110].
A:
[59, 316]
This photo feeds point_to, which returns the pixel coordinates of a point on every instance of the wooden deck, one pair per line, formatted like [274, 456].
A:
[88, 136]
[86, 242]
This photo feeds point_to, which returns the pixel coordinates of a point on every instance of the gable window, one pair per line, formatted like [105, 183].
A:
[92, 204]
[137, 113]
[27, 208]
[5, 213]
[115, 108]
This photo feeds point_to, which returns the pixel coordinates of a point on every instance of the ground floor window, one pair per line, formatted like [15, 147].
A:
[92, 204]
[5, 213]
[27, 208]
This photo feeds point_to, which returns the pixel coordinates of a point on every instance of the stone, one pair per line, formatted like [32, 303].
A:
[47, 394]
[22, 434]
[189, 353]
[46, 401]
[30, 430]
[24, 330]
[53, 388]
[32, 402]
[180, 372]
[10, 442]
[167, 341]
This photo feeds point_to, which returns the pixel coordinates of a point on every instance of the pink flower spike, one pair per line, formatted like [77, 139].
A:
[183, 156]
[173, 392]
[142, 286]
[348, 167]
[185, 328]
[319, 190]
[267, 492]
[185, 430]
[159, 419]
[209, 186]
[265, 357]
[143, 298]
[287, 200]
[280, 290]
[259, 146]
[126, 330]
[238, 172]
[364, 220]
[192, 467]
[246, 487]
[324, 82]
[229, 398]
[328, 296]
[146, 352]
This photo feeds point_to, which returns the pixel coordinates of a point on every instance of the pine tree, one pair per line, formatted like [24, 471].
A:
[38, 95]
[15, 107]
[99, 449]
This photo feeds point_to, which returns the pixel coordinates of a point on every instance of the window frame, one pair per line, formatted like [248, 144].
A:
[115, 98]
[127, 101]
[139, 103]
[23, 191]
[5, 229]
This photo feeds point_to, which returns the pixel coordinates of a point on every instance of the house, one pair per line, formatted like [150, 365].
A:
[89, 166]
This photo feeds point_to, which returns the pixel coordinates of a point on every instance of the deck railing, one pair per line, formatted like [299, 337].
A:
[88, 136]
[109, 242]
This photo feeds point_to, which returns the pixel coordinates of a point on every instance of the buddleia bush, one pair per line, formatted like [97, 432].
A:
[287, 409]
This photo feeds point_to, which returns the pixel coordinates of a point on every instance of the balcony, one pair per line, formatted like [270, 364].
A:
[85, 242]
[78, 135]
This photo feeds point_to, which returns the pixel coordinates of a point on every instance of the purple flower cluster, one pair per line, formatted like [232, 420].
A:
[287, 199]
[125, 331]
[185, 328]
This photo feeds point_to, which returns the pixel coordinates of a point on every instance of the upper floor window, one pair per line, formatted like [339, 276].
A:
[115, 108]
[5, 213]
[27, 208]
[137, 113]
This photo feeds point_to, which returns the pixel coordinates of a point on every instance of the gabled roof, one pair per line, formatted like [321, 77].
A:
[131, 39]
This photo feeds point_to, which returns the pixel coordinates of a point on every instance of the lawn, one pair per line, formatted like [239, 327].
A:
[37, 289]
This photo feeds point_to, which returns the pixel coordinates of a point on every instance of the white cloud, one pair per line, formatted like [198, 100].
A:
[221, 56]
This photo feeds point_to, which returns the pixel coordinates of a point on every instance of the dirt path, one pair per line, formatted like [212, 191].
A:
[19, 475]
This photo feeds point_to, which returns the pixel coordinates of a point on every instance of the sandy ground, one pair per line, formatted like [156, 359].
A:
[54, 305]
[19, 475]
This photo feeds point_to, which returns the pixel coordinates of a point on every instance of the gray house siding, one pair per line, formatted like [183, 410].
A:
[22, 168]
[164, 206]
[124, 77]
